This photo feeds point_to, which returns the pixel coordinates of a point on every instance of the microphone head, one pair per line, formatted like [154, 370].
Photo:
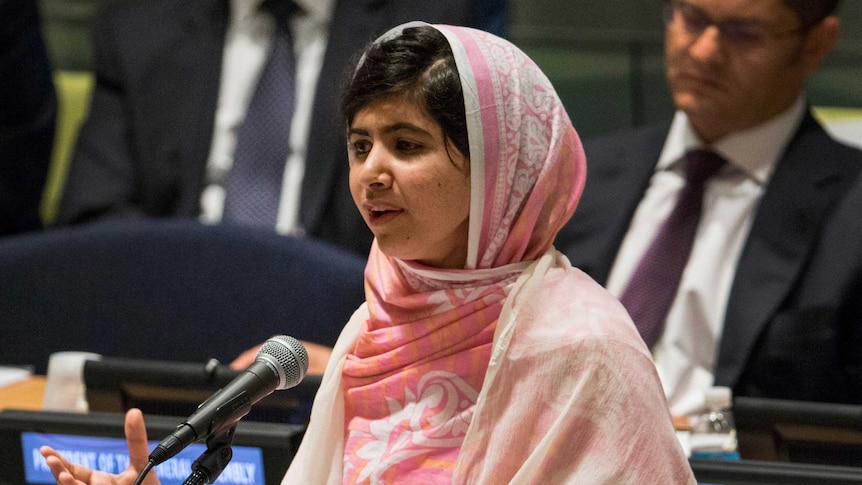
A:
[289, 358]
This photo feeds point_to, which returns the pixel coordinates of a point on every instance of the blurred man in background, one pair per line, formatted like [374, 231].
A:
[758, 287]
[226, 111]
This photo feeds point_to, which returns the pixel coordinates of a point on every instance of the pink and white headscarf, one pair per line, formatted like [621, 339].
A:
[477, 375]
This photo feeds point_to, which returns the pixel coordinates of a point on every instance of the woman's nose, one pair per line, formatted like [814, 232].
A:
[375, 169]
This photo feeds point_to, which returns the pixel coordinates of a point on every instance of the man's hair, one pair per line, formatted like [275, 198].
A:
[811, 12]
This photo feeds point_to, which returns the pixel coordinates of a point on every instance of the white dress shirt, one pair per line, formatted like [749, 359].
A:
[686, 352]
[247, 44]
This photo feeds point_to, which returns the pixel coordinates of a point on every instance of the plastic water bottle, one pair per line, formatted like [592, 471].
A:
[713, 433]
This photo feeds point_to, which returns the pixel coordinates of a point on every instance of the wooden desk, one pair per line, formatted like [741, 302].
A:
[26, 394]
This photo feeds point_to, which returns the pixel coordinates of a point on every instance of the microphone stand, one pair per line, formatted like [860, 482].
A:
[208, 466]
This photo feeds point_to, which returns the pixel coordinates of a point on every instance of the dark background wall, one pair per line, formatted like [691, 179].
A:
[604, 57]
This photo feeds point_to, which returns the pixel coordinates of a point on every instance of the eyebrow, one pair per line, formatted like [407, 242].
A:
[392, 128]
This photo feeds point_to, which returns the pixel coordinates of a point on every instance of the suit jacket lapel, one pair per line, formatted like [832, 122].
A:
[796, 202]
[618, 174]
[354, 24]
[187, 76]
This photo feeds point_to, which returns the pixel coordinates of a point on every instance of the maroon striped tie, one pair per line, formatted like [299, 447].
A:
[653, 285]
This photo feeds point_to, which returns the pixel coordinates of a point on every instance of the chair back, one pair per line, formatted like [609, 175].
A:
[169, 290]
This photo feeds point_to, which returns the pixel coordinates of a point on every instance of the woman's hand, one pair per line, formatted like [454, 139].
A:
[136, 439]
[318, 356]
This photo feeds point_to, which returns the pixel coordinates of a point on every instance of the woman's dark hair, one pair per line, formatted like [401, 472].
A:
[418, 64]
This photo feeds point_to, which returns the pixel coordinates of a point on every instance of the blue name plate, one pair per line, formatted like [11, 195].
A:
[112, 456]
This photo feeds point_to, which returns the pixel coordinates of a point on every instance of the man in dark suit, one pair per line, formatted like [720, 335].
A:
[769, 300]
[163, 115]
[28, 111]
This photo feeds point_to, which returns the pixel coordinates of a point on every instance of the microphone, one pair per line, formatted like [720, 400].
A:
[280, 364]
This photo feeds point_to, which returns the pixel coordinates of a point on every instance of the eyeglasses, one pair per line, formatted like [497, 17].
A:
[739, 33]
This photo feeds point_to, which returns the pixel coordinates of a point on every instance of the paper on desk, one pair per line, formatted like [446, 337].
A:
[845, 124]
[11, 375]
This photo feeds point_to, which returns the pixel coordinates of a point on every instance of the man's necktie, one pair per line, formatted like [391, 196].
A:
[653, 285]
[253, 185]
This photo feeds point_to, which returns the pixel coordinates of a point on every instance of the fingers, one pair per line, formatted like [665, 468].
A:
[67, 473]
[318, 357]
[136, 439]
[64, 472]
[245, 359]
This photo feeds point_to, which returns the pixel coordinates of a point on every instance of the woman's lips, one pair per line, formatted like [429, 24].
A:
[381, 213]
[382, 217]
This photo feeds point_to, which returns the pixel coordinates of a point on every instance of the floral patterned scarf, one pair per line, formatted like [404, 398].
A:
[413, 378]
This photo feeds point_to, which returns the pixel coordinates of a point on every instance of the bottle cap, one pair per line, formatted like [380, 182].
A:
[718, 397]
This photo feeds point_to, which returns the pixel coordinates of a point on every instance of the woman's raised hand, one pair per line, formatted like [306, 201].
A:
[136, 439]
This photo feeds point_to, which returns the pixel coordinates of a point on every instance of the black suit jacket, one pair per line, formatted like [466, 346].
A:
[143, 150]
[28, 110]
[793, 327]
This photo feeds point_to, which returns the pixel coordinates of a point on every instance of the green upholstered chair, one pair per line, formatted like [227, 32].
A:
[73, 96]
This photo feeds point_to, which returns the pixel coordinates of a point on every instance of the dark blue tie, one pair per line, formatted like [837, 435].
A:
[653, 285]
[253, 185]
